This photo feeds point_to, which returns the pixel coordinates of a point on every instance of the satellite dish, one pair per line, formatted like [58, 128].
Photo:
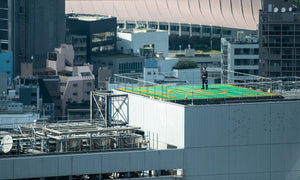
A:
[290, 9]
[276, 9]
[283, 9]
[6, 144]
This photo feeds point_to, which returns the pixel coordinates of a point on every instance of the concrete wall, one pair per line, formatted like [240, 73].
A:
[135, 41]
[93, 163]
[242, 141]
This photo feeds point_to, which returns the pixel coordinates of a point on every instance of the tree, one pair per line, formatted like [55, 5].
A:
[186, 65]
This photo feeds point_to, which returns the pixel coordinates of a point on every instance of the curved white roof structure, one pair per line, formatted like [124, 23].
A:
[241, 14]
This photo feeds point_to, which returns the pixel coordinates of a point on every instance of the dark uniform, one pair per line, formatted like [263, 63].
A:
[204, 76]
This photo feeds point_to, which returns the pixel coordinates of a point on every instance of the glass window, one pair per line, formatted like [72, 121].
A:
[163, 27]
[75, 94]
[237, 51]
[105, 36]
[75, 85]
[174, 28]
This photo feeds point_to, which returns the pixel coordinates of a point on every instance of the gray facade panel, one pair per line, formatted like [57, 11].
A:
[91, 163]
[205, 128]
[249, 159]
[258, 140]
[63, 166]
[121, 162]
[137, 161]
[150, 162]
[206, 161]
[249, 124]
[35, 167]
[293, 175]
[285, 123]
[207, 177]
[6, 167]
[166, 159]
[285, 157]
[251, 176]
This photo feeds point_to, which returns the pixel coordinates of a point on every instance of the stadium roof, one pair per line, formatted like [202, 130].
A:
[241, 14]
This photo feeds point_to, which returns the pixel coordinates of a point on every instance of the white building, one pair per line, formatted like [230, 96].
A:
[239, 58]
[252, 139]
[135, 41]
[240, 140]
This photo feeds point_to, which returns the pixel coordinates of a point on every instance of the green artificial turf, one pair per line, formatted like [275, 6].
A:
[195, 92]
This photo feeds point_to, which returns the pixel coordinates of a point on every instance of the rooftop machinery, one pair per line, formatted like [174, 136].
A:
[106, 130]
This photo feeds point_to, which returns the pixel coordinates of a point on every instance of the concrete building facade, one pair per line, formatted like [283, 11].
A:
[100, 33]
[76, 82]
[279, 30]
[254, 140]
[240, 59]
[30, 29]
[135, 41]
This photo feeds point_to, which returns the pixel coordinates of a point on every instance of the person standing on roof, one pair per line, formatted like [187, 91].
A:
[204, 76]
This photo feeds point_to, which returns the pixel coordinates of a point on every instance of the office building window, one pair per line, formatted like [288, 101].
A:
[135, 67]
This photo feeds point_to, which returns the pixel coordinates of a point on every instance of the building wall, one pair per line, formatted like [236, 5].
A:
[167, 64]
[4, 24]
[229, 57]
[163, 120]
[92, 163]
[77, 26]
[227, 141]
[35, 28]
[137, 40]
[192, 76]
[242, 141]
[124, 43]
[279, 42]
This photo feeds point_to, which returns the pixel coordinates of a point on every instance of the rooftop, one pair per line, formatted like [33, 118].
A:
[215, 93]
